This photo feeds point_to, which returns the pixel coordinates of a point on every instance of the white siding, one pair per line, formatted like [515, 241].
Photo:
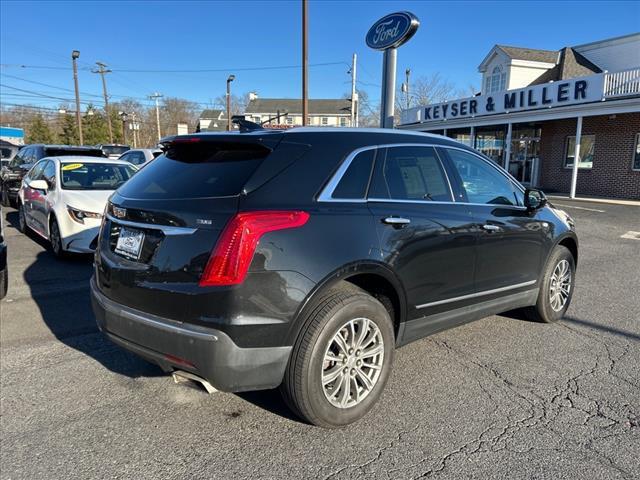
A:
[520, 77]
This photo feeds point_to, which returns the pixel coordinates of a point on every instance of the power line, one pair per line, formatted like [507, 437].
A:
[198, 70]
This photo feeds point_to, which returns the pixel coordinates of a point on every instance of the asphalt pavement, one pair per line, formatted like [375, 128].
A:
[501, 398]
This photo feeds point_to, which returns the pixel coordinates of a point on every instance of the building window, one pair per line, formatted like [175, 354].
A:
[309, 122]
[256, 119]
[324, 121]
[636, 154]
[497, 81]
[289, 120]
[587, 147]
[343, 122]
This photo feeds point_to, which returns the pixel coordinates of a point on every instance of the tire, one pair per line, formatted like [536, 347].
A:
[556, 287]
[22, 223]
[55, 239]
[4, 197]
[4, 283]
[315, 388]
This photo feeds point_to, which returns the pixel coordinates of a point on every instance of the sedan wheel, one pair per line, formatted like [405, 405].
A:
[55, 239]
[22, 222]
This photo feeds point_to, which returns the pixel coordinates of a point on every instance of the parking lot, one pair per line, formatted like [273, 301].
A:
[498, 398]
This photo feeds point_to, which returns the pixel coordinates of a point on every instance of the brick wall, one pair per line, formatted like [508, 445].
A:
[611, 175]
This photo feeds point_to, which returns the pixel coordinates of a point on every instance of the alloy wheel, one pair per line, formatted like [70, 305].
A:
[560, 285]
[352, 363]
[54, 238]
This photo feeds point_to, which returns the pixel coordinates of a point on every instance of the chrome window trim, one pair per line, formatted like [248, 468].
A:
[430, 202]
[332, 184]
[166, 229]
[477, 294]
[327, 192]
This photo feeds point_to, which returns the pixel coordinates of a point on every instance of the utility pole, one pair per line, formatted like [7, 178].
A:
[407, 72]
[74, 57]
[155, 97]
[354, 94]
[102, 70]
[133, 126]
[305, 65]
[230, 79]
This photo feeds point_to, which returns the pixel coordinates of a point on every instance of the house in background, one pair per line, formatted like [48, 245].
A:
[322, 112]
[212, 120]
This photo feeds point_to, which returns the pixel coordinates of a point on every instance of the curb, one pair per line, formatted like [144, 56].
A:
[610, 201]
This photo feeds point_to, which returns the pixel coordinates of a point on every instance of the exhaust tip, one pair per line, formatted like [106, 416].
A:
[180, 376]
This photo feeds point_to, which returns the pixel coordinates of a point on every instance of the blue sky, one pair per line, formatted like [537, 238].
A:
[231, 36]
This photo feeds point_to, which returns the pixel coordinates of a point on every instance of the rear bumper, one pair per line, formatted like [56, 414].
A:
[172, 345]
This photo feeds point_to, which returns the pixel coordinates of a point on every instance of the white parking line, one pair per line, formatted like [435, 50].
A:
[631, 235]
[580, 208]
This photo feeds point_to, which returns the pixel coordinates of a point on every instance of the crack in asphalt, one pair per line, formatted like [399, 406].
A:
[540, 412]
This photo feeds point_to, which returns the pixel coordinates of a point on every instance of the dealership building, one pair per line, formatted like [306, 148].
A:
[539, 110]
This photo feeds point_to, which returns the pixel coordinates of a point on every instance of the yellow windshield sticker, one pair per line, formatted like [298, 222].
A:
[72, 166]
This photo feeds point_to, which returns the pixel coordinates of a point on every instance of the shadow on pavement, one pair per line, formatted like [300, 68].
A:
[603, 328]
[271, 401]
[519, 315]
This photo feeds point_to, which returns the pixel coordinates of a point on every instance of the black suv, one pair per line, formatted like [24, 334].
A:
[303, 258]
[11, 174]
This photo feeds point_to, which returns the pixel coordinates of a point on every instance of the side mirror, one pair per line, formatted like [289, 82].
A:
[39, 185]
[534, 199]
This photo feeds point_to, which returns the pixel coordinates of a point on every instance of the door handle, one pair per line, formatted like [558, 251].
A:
[491, 228]
[396, 221]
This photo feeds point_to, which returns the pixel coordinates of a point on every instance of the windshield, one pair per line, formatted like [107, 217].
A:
[114, 149]
[94, 176]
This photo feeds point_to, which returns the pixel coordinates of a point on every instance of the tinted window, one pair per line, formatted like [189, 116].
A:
[411, 173]
[94, 176]
[355, 180]
[196, 170]
[74, 152]
[482, 182]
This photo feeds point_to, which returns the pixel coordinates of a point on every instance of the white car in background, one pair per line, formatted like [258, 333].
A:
[140, 156]
[63, 198]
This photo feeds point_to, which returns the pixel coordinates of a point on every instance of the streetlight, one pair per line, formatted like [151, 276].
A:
[230, 79]
[74, 57]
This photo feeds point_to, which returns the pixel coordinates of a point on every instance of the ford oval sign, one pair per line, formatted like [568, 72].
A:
[392, 31]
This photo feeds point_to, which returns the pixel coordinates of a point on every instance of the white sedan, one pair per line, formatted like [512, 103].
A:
[62, 199]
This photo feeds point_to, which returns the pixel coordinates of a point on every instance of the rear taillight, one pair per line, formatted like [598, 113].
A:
[232, 255]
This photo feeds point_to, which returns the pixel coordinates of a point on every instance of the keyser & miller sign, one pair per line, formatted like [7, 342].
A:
[548, 95]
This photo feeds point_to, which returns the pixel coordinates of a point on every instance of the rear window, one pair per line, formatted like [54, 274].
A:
[115, 149]
[74, 152]
[196, 171]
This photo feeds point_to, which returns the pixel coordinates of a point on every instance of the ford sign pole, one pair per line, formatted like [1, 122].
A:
[388, 34]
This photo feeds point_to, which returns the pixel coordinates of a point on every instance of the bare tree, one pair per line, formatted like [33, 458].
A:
[426, 90]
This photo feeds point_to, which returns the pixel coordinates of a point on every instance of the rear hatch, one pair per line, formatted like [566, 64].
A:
[162, 225]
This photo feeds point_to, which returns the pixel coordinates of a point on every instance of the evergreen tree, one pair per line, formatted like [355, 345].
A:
[94, 127]
[38, 131]
[69, 133]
